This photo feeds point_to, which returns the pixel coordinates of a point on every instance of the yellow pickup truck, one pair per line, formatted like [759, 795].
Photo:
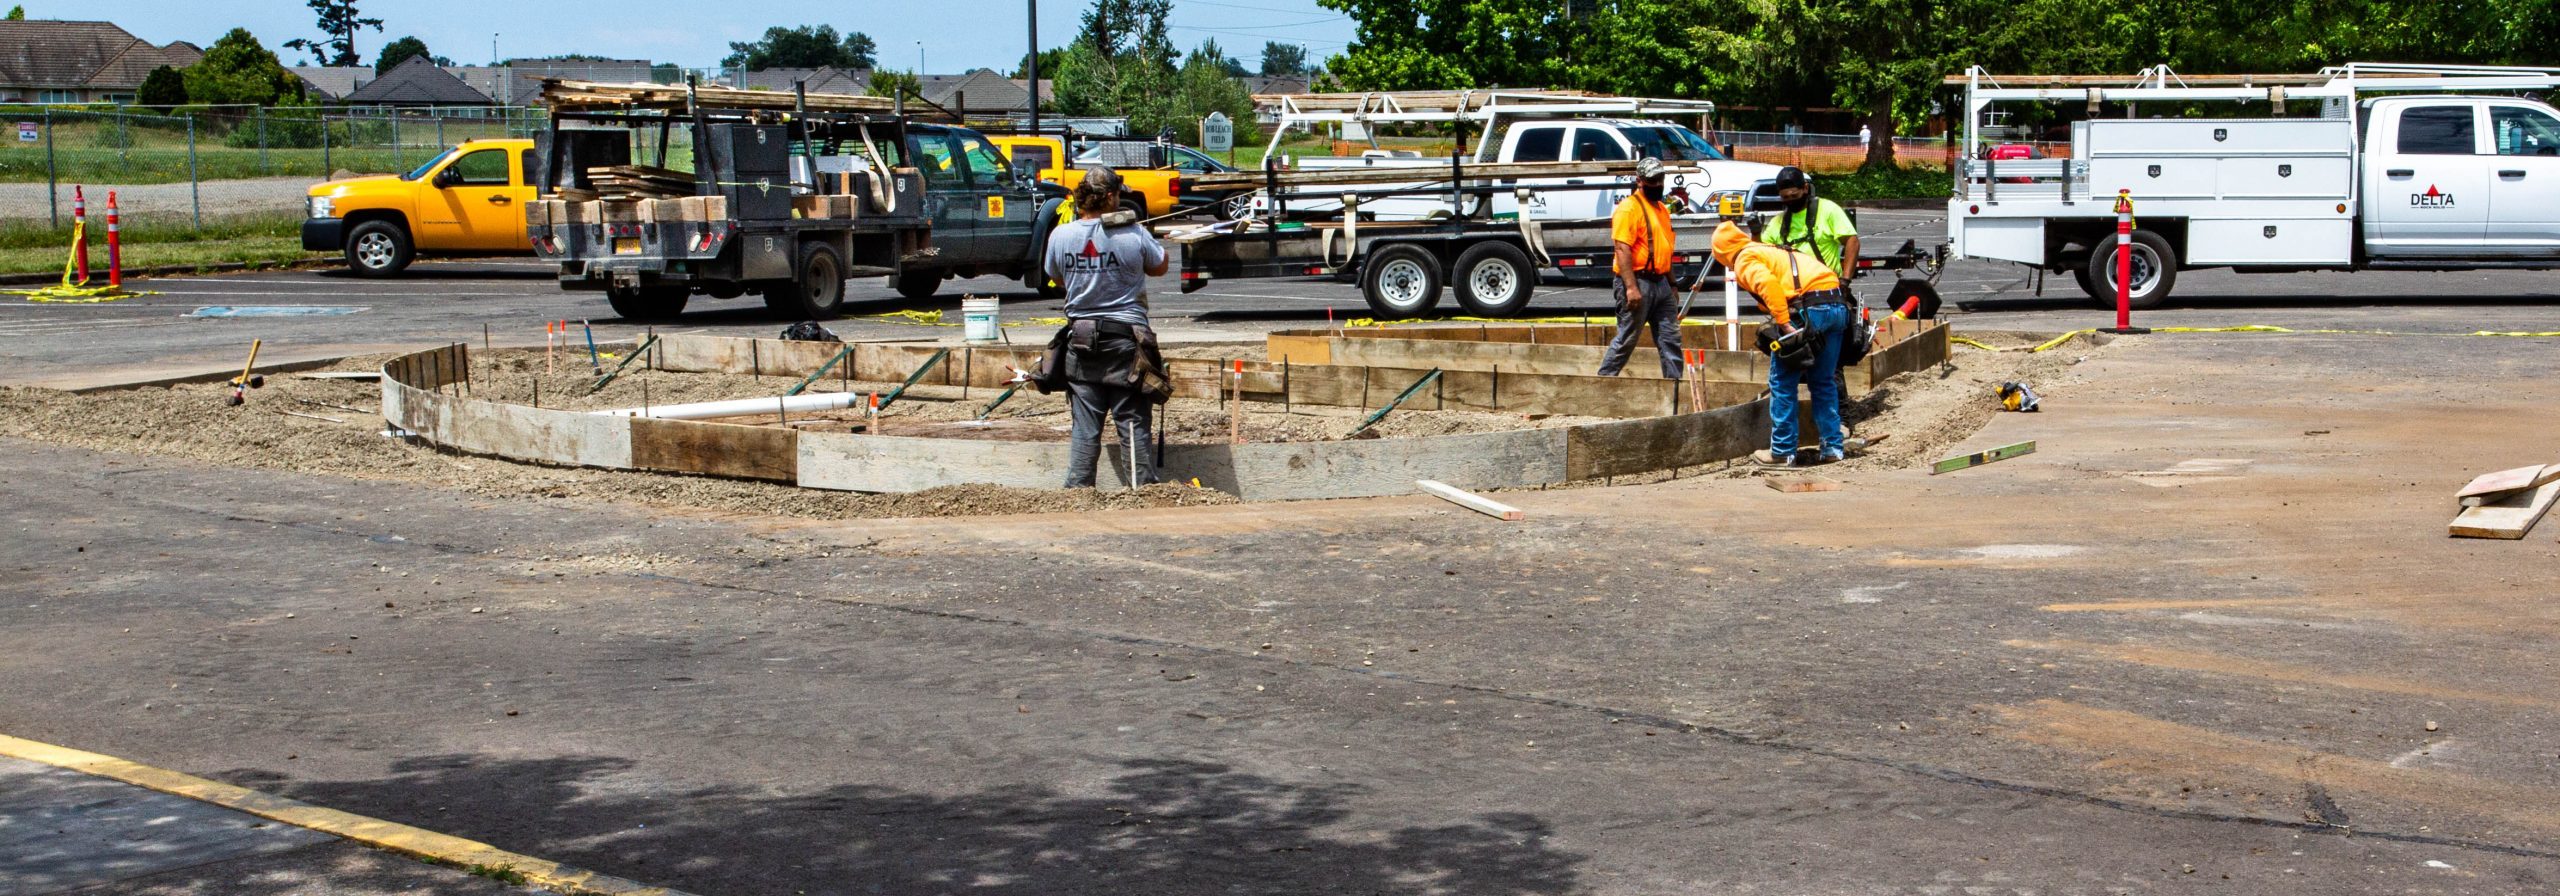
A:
[1152, 192]
[469, 200]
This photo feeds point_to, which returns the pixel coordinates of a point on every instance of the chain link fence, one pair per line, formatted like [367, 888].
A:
[227, 160]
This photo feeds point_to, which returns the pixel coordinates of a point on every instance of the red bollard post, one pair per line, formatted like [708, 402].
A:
[115, 246]
[80, 232]
[2124, 266]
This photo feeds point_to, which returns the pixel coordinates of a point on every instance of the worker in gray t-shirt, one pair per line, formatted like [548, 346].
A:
[1105, 270]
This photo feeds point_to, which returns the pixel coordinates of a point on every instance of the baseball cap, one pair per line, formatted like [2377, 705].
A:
[1790, 177]
[1648, 168]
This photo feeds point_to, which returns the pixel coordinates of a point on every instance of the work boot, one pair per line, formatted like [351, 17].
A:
[1766, 458]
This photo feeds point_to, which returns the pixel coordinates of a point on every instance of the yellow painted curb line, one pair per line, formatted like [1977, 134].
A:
[441, 849]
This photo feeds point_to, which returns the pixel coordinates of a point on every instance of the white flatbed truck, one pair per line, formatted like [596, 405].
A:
[2451, 171]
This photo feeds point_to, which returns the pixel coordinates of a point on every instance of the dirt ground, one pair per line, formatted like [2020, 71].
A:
[332, 426]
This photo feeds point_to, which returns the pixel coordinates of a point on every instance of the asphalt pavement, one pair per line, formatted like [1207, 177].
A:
[506, 302]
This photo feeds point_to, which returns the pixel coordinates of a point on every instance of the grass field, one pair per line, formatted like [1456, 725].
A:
[31, 248]
[152, 151]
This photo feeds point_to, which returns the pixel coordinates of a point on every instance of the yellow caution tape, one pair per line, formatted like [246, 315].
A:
[75, 292]
[934, 319]
[2255, 328]
[1418, 321]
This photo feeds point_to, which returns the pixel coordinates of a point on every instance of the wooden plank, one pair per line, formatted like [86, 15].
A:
[1471, 500]
[2488, 487]
[1794, 485]
[769, 453]
[1922, 350]
[1299, 351]
[1967, 461]
[513, 431]
[1662, 443]
[2509, 517]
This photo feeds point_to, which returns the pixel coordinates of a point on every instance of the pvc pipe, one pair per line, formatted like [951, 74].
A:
[743, 407]
[1732, 312]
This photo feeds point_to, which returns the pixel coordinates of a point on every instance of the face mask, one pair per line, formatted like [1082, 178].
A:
[1653, 191]
[1798, 203]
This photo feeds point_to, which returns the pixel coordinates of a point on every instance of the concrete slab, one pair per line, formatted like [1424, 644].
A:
[61, 830]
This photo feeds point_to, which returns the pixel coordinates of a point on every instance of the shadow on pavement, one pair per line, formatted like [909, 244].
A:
[1159, 827]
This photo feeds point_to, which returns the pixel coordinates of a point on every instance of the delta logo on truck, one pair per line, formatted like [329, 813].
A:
[2432, 198]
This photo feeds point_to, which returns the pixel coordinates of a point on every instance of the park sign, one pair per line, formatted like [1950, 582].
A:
[1217, 133]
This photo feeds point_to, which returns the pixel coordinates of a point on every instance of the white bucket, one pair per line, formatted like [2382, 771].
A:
[979, 319]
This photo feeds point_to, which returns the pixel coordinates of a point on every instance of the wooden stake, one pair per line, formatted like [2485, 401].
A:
[1235, 415]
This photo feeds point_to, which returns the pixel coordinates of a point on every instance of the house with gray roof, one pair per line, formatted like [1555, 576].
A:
[52, 61]
[417, 82]
[823, 79]
[331, 83]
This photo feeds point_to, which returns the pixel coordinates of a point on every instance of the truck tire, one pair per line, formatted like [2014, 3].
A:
[379, 249]
[816, 289]
[655, 302]
[1494, 279]
[919, 286]
[2155, 271]
[1235, 206]
[1401, 282]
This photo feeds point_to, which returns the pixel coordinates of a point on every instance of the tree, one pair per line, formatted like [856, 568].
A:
[1121, 64]
[1204, 85]
[17, 13]
[885, 82]
[399, 51]
[666, 73]
[1049, 61]
[1283, 60]
[238, 70]
[803, 47]
[162, 89]
[338, 23]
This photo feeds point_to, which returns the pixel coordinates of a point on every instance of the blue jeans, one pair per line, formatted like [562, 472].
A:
[1830, 326]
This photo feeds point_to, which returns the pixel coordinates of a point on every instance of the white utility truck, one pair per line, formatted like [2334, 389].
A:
[1507, 127]
[2450, 169]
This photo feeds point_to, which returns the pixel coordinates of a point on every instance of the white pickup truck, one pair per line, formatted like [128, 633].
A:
[1695, 169]
[2413, 182]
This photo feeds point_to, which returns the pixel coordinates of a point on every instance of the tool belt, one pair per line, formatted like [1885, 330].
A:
[1819, 298]
[1106, 352]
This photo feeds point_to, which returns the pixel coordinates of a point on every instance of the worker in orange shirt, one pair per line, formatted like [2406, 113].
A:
[1641, 229]
[1804, 299]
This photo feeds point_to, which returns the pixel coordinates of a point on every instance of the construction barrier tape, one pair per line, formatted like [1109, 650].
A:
[2254, 328]
[1418, 321]
[75, 292]
[934, 319]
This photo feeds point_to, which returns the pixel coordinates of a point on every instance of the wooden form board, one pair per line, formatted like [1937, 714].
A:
[1575, 349]
[1259, 471]
[514, 431]
[1628, 447]
[1337, 385]
[770, 453]
[2509, 517]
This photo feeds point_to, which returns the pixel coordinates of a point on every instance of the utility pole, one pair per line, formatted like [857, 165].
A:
[919, 59]
[1034, 68]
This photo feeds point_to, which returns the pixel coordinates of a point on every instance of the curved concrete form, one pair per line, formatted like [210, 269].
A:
[424, 394]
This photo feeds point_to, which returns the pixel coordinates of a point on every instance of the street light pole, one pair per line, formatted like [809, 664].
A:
[1034, 67]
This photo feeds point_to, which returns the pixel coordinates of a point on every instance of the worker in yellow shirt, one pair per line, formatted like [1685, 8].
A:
[1805, 300]
[1641, 230]
[1813, 224]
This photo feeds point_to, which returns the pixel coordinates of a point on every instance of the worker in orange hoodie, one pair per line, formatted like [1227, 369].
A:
[1801, 295]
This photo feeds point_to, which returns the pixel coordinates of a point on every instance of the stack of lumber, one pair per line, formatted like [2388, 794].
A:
[560, 93]
[1403, 173]
[639, 182]
[2507, 503]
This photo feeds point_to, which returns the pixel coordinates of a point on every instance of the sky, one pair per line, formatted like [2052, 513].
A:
[953, 35]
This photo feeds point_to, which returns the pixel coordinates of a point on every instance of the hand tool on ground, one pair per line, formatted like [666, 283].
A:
[592, 361]
[635, 354]
[240, 385]
[1381, 414]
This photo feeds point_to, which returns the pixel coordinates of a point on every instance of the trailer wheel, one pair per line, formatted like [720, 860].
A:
[920, 285]
[1495, 280]
[648, 303]
[2155, 271]
[1401, 282]
[816, 292]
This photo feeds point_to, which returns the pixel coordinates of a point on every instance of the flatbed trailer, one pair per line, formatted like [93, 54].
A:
[1494, 264]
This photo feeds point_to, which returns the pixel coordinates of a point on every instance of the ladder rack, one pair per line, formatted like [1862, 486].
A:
[2339, 84]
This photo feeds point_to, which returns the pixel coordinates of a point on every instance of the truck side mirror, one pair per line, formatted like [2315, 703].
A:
[447, 177]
